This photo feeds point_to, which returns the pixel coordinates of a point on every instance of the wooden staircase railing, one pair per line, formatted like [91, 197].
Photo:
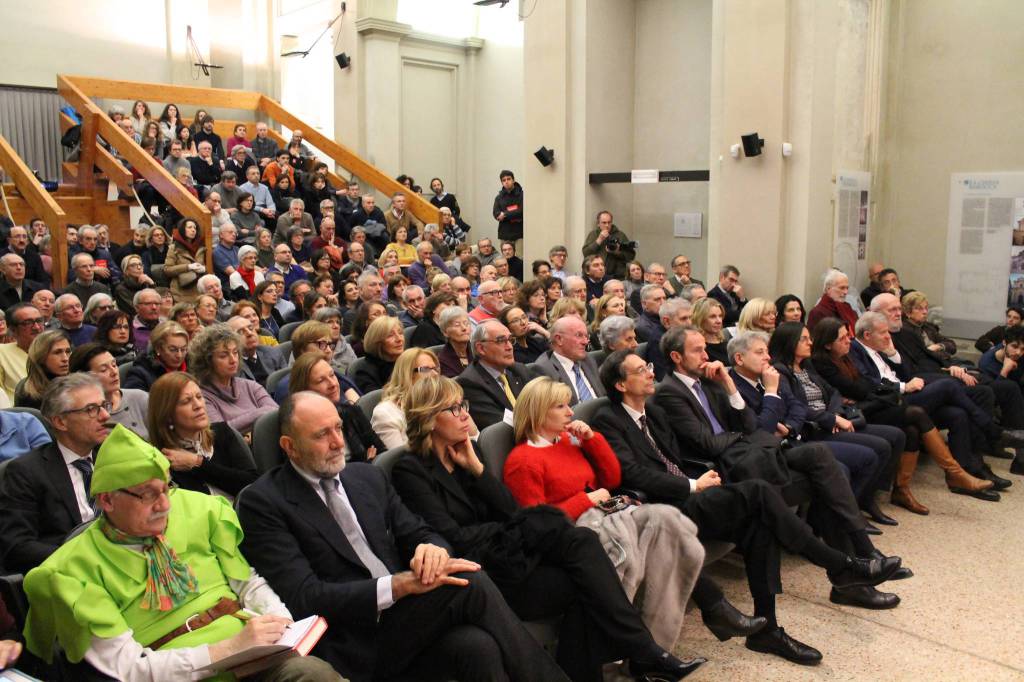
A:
[42, 203]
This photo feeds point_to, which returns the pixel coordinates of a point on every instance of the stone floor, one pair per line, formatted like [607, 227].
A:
[961, 616]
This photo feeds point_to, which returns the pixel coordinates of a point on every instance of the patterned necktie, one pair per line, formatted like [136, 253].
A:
[346, 518]
[503, 380]
[582, 392]
[715, 426]
[670, 466]
[84, 466]
[760, 389]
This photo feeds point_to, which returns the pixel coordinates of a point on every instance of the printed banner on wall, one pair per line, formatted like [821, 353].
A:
[850, 232]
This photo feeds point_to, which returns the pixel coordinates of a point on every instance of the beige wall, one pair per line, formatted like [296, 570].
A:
[954, 103]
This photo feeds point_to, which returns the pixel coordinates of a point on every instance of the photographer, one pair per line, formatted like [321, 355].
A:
[612, 244]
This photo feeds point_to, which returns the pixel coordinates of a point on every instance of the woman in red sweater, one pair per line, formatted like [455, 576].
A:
[564, 463]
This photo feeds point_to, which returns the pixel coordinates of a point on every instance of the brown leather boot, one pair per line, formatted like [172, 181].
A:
[956, 477]
[901, 495]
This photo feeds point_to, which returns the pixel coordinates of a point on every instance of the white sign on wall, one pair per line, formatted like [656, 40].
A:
[688, 225]
[850, 225]
[985, 238]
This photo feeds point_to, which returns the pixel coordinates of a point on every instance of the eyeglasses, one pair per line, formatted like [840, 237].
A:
[425, 369]
[491, 293]
[176, 350]
[643, 369]
[150, 496]
[30, 323]
[324, 345]
[92, 410]
[500, 340]
[457, 409]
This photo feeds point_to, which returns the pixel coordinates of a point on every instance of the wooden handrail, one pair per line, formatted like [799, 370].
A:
[178, 94]
[150, 169]
[113, 169]
[43, 204]
[350, 161]
[225, 128]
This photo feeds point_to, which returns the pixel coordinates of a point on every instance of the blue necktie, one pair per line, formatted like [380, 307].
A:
[582, 392]
[84, 465]
[715, 426]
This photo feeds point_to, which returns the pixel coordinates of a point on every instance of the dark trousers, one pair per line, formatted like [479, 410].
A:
[884, 442]
[465, 633]
[977, 402]
[577, 582]
[1010, 400]
[829, 487]
[856, 460]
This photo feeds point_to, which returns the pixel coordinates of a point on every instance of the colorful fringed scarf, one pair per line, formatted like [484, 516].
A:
[169, 580]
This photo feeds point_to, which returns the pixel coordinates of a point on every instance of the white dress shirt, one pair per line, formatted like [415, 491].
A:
[385, 599]
[635, 416]
[757, 382]
[736, 401]
[884, 369]
[568, 365]
[77, 482]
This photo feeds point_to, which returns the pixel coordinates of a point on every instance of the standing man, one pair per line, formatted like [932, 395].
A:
[334, 539]
[729, 293]
[681, 275]
[508, 209]
[611, 244]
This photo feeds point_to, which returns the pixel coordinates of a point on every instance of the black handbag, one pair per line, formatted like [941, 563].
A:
[853, 414]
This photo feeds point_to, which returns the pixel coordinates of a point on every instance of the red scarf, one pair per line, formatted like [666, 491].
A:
[249, 277]
[192, 246]
[842, 310]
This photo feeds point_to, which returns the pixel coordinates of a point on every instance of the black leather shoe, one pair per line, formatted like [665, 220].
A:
[1017, 466]
[779, 643]
[872, 530]
[726, 621]
[987, 495]
[664, 667]
[864, 597]
[877, 515]
[902, 573]
[998, 483]
[869, 572]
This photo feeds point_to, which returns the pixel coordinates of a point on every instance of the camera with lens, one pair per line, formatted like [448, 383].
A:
[616, 244]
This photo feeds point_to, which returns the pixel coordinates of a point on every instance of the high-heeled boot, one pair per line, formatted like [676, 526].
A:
[956, 478]
[901, 494]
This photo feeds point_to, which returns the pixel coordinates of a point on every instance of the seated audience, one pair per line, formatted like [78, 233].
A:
[135, 280]
[135, 624]
[1014, 316]
[185, 315]
[648, 323]
[15, 288]
[758, 315]
[405, 251]
[709, 318]
[168, 346]
[383, 343]
[243, 281]
[789, 308]
[314, 338]
[265, 299]
[567, 307]
[364, 317]
[567, 576]
[48, 358]
[148, 305]
[208, 458]
[729, 293]
[207, 309]
[606, 306]
[127, 406]
[428, 333]
[214, 359]
[46, 492]
[71, 315]
[563, 463]
[388, 419]
[494, 380]
[833, 302]
[456, 354]
[295, 216]
[312, 372]
[532, 298]
[26, 324]
[568, 362]
[343, 355]
[530, 338]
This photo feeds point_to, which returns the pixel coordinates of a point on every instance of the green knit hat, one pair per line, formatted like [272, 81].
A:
[124, 460]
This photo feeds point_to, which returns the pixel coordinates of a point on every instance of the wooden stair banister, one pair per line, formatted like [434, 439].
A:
[350, 161]
[178, 94]
[113, 169]
[43, 204]
[150, 169]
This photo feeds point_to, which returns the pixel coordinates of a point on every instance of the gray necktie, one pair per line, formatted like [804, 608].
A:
[346, 518]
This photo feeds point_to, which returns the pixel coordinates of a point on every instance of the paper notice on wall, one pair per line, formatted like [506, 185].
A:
[687, 225]
[984, 250]
[640, 177]
[850, 231]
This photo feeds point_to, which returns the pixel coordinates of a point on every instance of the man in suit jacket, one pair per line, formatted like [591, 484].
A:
[681, 278]
[729, 293]
[711, 417]
[483, 382]
[257, 361]
[568, 362]
[335, 540]
[648, 324]
[15, 288]
[750, 514]
[45, 493]
[18, 242]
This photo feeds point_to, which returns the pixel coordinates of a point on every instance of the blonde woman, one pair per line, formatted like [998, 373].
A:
[168, 348]
[758, 315]
[567, 306]
[564, 463]
[443, 480]
[383, 343]
[607, 306]
[389, 415]
[49, 357]
[709, 318]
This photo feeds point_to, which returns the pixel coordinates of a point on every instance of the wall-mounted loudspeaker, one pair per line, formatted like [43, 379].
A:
[343, 60]
[545, 156]
[752, 144]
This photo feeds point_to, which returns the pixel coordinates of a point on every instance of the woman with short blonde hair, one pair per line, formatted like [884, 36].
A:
[384, 342]
[758, 315]
[168, 348]
[567, 306]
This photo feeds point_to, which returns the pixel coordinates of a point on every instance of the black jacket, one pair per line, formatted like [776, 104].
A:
[372, 374]
[487, 401]
[816, 422]
[34, 269]
[449, 201]
[230, 469]
[37, 508]
[509, 202]
[143, 373]
[427, 334]
[9, 295]
[296, 545]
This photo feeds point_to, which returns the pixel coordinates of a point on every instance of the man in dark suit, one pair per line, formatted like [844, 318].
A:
[874, 355]
[750, 513]
[648, 324]
[681, 278]
[257, 361]
[494, 379]
[335, 540]
[18, 243]
[15, 288]
[568, 362]
[729, 293]
[45, 493]
[711, 418]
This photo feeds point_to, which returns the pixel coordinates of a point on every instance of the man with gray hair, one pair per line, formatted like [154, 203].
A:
[575, 287]
[147, 316]
[18, 240]
[693, 292]
[426, 258]
[371, 288]
[263, 201]
[210, 285]
[488, 295]
[15, 288]
[85, 284]
[494, 379]
[675, 312]
[648, 325]
[105, 270]
[297, 216]
[833, 301]
[71, 314]
[46, 492]
[568, 362]
[206, 169]
[413, 300]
